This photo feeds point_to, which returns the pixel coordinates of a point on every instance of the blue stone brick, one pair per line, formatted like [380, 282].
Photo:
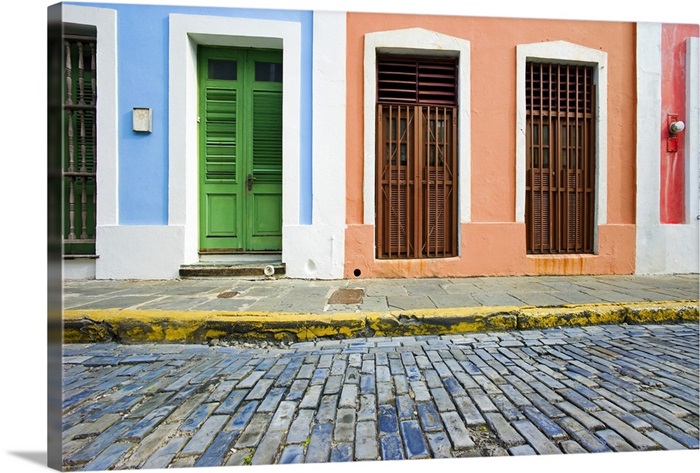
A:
[550, 429]
[387, 419]
[453, 386]
[101, 442]
[429, 416]
[413, 373]
[214, 454]
[109, 456]
[319, 448]
[413, 439]
[390, 446]
[231, 402]
[292, 454]
[342, 452]
[242, 417]
[197, 417]
[367, 384]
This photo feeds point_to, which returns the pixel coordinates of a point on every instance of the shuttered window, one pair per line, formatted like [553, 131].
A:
[416, 157]
[80, 153]
[560, 175]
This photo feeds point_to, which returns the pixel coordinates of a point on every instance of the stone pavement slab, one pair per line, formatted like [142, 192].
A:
[386, 398]
[198, 310]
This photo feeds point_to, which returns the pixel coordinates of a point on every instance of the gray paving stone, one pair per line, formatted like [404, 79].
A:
[139, 430]
[163, 456]
[535, 438]
[669, 418]
[614, 441]
[205, 435]
[664, 441]
[366, 447]
[571, 447]
[521, 450]
[688, 440]
[267, 449]
[583, 436]
[461, 440]
[344, 430]
[301, 426]
[439, 444]
[311, 398]
[503, 429]
[254, 431]
[328, 408]
[348, 396]
[637, 439]
[471, 414]
[107, 458]
[482, 400]
[587, 420]
[368, 407]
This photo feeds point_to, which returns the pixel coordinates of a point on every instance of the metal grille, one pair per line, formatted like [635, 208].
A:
[560, 178]
[79, 169]
[416, 159]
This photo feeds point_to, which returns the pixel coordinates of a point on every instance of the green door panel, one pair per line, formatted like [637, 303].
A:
[240, 149]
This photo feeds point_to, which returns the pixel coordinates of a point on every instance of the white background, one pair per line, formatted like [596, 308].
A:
[23, 216]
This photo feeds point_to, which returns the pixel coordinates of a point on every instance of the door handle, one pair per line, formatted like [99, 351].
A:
[249, 182]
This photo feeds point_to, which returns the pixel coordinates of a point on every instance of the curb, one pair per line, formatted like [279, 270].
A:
[166, 326]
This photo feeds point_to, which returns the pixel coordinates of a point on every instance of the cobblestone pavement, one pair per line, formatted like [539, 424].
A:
[573, 390]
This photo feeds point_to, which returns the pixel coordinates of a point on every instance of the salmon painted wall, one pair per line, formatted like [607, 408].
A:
[492, 242]
[673, 100]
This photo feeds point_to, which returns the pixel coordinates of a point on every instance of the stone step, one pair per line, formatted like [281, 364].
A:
[244, 269]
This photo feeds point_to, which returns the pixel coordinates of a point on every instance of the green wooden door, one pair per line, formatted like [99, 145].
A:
[240, 149]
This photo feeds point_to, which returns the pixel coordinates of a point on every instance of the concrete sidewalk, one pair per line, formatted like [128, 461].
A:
[291, 310]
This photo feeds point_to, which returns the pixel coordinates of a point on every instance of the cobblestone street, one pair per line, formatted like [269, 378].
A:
[571, 390]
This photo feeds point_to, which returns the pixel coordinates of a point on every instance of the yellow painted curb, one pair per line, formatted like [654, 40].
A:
[165, 326]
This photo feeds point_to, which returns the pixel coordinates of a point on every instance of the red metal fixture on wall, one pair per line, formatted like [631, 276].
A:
[673, 130]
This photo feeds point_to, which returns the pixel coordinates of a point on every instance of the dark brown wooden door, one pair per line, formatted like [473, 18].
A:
[416, 159]
[560, 178]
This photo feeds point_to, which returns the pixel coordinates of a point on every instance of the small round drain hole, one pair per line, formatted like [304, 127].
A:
[269, 270]
[357, 273]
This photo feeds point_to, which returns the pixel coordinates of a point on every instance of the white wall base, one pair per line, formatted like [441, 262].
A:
[79, 268]
[139, 252]
[314, 251]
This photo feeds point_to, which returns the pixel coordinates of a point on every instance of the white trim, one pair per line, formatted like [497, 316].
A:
[427, 43]
[105, 20]
[186, 32]
[664, 248]
[565, 52]
[692, 136]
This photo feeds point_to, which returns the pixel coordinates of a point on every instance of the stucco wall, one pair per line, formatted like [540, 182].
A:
[492, 239]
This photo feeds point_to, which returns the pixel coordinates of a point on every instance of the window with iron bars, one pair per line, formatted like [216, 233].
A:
[80, 130]
[560, 174]
[416, 157]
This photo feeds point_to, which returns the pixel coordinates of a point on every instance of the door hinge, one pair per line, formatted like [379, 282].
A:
[197, 119]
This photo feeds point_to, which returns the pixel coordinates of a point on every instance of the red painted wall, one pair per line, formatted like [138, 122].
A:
[673, 45]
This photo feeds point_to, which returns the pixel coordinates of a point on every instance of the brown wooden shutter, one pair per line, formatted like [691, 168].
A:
[416, 158]
[560, 160]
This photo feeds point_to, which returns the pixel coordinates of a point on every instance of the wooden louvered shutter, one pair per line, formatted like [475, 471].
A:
[267, 136]
[416, 157]
[560, 174]
[220, 134]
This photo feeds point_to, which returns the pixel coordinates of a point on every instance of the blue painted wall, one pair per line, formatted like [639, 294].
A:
[142, 46]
